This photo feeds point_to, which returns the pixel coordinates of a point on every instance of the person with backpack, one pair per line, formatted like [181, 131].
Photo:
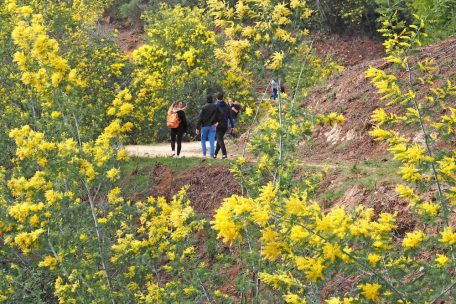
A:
[235, 110]
[224, 121]
[206, 125]
[177, 123]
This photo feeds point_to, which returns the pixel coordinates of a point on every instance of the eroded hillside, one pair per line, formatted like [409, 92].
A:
[351, 94]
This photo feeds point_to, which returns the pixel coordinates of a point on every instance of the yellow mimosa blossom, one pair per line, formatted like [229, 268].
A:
[410, 173]
[49, 261]
[448, 237]
[413, 239]
[370, 291]
[278, 280]
[441, 260]
[429, 208]
[380, 134]
[335, 300]
[294, 299]
[331, 251]
[374, 259]
[26, 240]
[113, 174]
[313, 268]
[276, 61]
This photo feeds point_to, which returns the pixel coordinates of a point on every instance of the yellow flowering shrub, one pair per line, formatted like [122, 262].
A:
[175, 64]
[46, 65]
[298, 249]
[260, 38]
[160, 246]
[69, 101]
[268, 26]
[61, 213]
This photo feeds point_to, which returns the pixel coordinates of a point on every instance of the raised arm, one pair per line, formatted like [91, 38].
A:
[230, 117]
[170, 110]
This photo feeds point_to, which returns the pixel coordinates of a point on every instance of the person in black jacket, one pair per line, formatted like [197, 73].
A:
[206, 125]
[177, 133]
[222, 126]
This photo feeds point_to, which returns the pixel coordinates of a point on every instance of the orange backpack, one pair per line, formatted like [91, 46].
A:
[172, 120]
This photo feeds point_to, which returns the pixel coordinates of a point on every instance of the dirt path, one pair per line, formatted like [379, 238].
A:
[189, 149]
[193, 149]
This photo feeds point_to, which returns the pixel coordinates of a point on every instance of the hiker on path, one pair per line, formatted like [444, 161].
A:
[224, 121]
[177, 122]
[206, 125]
[275, 89]
[235, 110]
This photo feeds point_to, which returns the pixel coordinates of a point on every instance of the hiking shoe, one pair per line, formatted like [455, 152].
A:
[214, 157]
[224, 157]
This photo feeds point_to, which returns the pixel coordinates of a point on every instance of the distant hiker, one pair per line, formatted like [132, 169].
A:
[224, 121]
[206, 125]
[177, 122]
[235, 110]
[275, 88]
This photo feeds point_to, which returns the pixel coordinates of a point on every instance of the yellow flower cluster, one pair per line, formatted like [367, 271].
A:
[174, 55]
[121, 105]
[49, 262]
[30, 143]
[289, 226]
[163, 230]
[255, 25]
[420, 163]
[37, 48]
[331, 119]
[413, 239]
[26, 241]
[371, 291]
[276, 61]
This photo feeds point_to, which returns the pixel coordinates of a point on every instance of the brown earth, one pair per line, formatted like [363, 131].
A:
[348, 50]
[129, 38]
[351, 94]
[208, 185]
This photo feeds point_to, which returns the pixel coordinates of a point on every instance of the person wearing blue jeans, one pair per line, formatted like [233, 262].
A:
[206, 125]
[208, 133]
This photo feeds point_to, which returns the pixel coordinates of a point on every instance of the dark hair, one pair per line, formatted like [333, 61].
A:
[220, 95]
[209, 98]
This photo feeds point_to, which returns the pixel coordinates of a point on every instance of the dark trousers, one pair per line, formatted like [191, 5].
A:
[219, 134]
[175, 134]
[274, 94]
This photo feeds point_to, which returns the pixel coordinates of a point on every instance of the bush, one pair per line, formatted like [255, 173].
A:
[439, 15]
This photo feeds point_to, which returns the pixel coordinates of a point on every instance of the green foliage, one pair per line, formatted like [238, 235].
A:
[306, 70]
[133, 10]
[361, 15]
[343, 16]
[440, 15]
